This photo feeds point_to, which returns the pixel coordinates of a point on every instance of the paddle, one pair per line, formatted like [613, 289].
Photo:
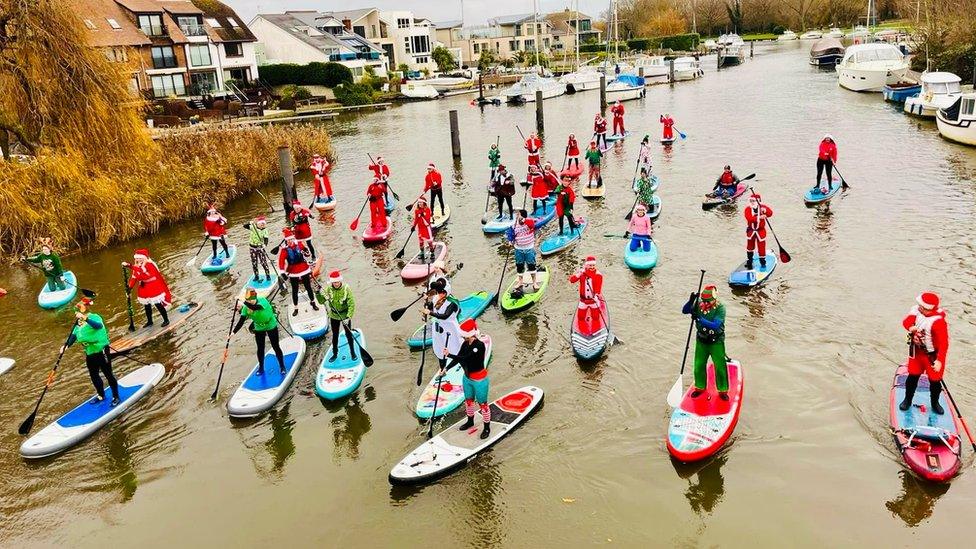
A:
[397, 314]
[28, 423]
[677, 390]
[437, 395]
[423, 342]
[604, 319]
[277, 247]
[128, 298]
[784, 256]
[194, 258]
[223, 358]
[278, 274]
[399, 254]
[355, 222]
[630, 214]
[710, 205]
[266, 199]
[680, 133]
[522, 135]
[85, 291]
[395, 195]
[565, 156]
[6, 363]
[494, 298]
[625, 235]
[958, 414]
[843, 182]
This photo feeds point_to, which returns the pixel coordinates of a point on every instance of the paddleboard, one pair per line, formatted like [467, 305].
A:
[545, 213]
[52, 300]
[655, 182]
[559, 242]
[710, 201]
[591, 338]
[177, 316]
[419, 269]
[511, 304]
[813, 196]
[263, 288]
[324, 204]
[668, 140]
[91, 415]
[371, 235]
[440, 219]
[260, 392]
[929, 443]
[613, 137]
[640, 260]
[574, 172]
[452, 448]
[700, 426]
[593, 193]
[389, 203]
[750, 278]
[471, 307]
[493, 224]
[308, 324]
[221, 263]
[6, 364]
[451, 392]
[340, 377]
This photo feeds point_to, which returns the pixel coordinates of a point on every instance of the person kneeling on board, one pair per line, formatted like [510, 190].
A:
[522, 237]
[342, 305]
[756, 215]
[590, 291]
[264, 324]
[90, 331]
[641, 228]
[726, 184]
[928, 343]
[709, 317]
[152, 286]
[475, 383]
[293, 260]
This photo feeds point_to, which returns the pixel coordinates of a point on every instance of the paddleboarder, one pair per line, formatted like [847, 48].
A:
[590, 290]
[600, 131]
[709, 316]
[593, 156]
[533, 144]
[444, 309]
[342, 306]
[644, 156]
[50, 264]
[756, 214]
[299, 217]
[618, 118]
[645, 190]
[257, 238]
[641, 228]
[565, 198]
[928, 343]
[503, 189]
[380, 169]
[264, 325]
[475, 383]
[550, 177]
[494, 159]
[539, 189]
[668, 123]
[152, 288]
[572, 152]
[522, 236]
[91, 332]
[293, 261]
[438, 271]
[320, 175]
[433, 182]
[826, 158]
[726, 184]
[215, 228]
[375, 195]
[423, 223]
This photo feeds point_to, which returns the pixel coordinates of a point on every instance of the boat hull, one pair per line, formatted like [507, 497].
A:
[869, 80]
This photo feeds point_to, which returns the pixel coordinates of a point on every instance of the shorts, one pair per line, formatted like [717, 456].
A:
[525, 257]
[476, 390]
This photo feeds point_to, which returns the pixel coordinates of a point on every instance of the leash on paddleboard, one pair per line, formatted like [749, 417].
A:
[223, 358]
[784, 256]
[437, 395]
[128, 298]
[28, 423]
[677, 390]
[85, 291]
[959, 415]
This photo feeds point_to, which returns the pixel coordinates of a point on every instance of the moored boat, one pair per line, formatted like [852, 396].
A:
[939, 91]
[525, 89]
[900, 91]
[868, 67]
[958, 122]
[811, 35]
[787, 36]
[826, 52]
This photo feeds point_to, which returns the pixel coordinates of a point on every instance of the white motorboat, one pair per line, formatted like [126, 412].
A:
[710, 45]
[958, 122]
[654, 67]
[834, 32]
[860, 32]
[812, 35]
[733, 49]
[524, 90]
[939, 91]
[586, 78]
[868, 67]
[447, 83]
[418, 90]
[787, 36]
[687, 68]
[625, 87]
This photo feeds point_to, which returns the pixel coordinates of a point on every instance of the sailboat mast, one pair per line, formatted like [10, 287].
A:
[577, 34]
[535, 32]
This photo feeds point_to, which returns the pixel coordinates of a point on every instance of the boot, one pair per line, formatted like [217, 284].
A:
[115, 401]
[314, 306]
[467, 424]
[697, 393]
[294, 313]
[935, 388]
[749, 260]
[762, 262]
[911, 383]
[486, 432]
[724, 395]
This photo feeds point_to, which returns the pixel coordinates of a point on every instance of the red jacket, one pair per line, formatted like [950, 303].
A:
[292, 260]
[150, 282]
[215, 228]
[533, 145]
[551, 179]
[299, 220]
[376, 191]
[573, 148]
[828, 149]
[423, 220]
[590, 284]
[667, 121]
[378, 170]
[727, 178]
[567, 192]
[600, 126]
[539, 188]
[939, 333]
[433, 180]
[618, 111]
[755, 221]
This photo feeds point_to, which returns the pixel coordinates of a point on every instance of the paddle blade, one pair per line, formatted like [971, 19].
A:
[748, 177]
[397, 314]
[629, 215]
[844, 185]
[683, 136]
[367, 358]
[87, 293]
[676, 393]
[784, 256]
[6, 364]
[28, 423]
[191, 261]
[399, 254]
[354, 225]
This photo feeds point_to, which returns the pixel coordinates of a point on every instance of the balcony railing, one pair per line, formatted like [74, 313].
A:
[153, 30]
[193, 30]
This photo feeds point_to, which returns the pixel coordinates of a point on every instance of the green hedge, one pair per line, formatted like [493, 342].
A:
[677, 42]
[598, 48]
[354, 94]
[329, 75]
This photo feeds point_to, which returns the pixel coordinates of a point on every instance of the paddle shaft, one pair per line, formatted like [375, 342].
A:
[128, 298]
[404, 248]
[959, 414]
[202, 244]
[355, 222]
[843, 182]
[603, 318]
[25, 427]
[501, 279]
[266, 200]
[281, 283]
[437, 395]
[85, 291]
[223, 358]
[691, 325]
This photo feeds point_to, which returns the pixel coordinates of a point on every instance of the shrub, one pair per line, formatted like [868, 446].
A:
[354, 94]
[445, 61]
[677, 42]
[329, 75]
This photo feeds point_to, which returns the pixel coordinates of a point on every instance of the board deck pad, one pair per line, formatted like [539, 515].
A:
[588, 343]
[222, 261]
[371, 235]
[440, 219]
[639, 260]
[258, 393]
[323, 204]
[340, 377]
[593, 192]
[53, 299]
[494, 224]
[271, 377]
[699, 427]
[263, 288]
[309, 324]
[530, 297]
[177, 317]
[748, 278]
[559, 242]
[418, 268]
[813, 195]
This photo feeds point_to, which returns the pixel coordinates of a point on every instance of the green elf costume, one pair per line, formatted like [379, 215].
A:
[342, 306]
[50, 264]
[494, 159]
[645, 192]
[593, 156]
[709, 316]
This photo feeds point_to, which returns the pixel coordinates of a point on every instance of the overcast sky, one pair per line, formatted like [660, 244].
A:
[476, 12]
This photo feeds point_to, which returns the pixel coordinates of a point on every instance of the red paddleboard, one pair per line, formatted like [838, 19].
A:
[929, 442]
[371, 235]
[700, 426]
[571, 173]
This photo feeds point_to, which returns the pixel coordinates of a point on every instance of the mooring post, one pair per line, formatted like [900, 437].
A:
[603, 94]
[455, 135]
[287, 177]
[671, 71]
[752, 46]
[718, 57]
[540, 121]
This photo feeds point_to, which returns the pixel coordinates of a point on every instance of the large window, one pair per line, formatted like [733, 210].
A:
[203, 83]
[968, 105]
[151, 25]
[420, 44]
[403, 23]
[163, 57]
[116, 54]
[530, 45]
[477, 48]
[360, 30]
[200, 55]
[513, 45]
[233, 49]
[168, 84]
[585, 25]
[191, 26]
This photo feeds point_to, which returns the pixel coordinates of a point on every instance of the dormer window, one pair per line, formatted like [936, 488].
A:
[151, 25]
[233, 22]
[213, 23]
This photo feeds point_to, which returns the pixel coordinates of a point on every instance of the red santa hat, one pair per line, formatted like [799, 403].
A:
[422, 200]
[288, 234]
[211, 210]
[261, 219]
[590, 261]
[469, 328]
[335, 276]
[84, 303]
[141, 253]
[430, 165]
[928, 300]
[757, 197]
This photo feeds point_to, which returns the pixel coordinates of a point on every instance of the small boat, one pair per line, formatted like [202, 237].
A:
[48, 299]
[639, 260]
[439, 218]
[451, 82]
[177, 317]
[787, 36]
[958, 121]
[260, 392]
[450, 394]
[325, 204]
[309, 323]
[471, 307]
[813, 196]
[712, 201]
[559, 242]
[419, 90]
[826, 52]
[699, 427]
[340, 377]
[744, 277]
[868, 67]
[591, 338]
[811, 35]
[625, 87]
[518, 298]
[900, 91]
[834, 32]
[655, 67]
[710, 45]
[939, 91]
[583, 79]
[221, 262]
[418, 268]
[525, 89]
[453, 448]
[859, 33]
[687, 68]
[372, 235]
[732, 49]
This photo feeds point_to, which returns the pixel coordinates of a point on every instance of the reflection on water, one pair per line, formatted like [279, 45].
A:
[269, 456]
[350, 426]
[485, 520]
[706, 487]
[120, 463]
[917, 499]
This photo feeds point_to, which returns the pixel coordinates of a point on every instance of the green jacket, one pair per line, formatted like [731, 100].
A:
[264, 319]
[494, 158]
[711, 325]
[593, 156]
[51, 264]
[341, 303]
[257, 237]
[93, 339]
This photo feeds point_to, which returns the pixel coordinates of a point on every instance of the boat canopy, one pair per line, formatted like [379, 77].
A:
[941, 83]
[630, 80]
[866, 53]
[825, 46]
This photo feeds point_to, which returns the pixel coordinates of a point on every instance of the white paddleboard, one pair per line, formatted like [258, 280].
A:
[6, 364]
[258, 393]
[308, 323]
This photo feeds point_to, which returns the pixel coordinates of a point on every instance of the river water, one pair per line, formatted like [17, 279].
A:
[811, 463]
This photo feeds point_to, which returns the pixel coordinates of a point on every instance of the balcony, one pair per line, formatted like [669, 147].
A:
[154, 30]
[193, 30]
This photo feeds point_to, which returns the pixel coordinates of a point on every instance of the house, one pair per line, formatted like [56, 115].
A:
[504, 35]
[412, 40]
[564, 23]
[179, 48]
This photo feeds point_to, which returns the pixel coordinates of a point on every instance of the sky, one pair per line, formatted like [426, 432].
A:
[476, 12]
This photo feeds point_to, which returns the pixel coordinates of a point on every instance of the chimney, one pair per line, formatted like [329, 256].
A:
[348, 24]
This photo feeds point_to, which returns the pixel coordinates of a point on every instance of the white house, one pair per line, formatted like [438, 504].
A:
[413, 40]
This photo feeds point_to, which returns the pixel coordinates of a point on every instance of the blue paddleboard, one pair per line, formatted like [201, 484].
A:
[559, 242]
[221, 263]
[52, 300]
[813, 196]
[640, 260]
[340, 377]
[749, 278]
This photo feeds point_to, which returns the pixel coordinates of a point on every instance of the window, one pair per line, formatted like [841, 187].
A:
[423, 60]
[213, 23]
[477, 48]
[530, 45]
[406, 44]
[372, 29]
[518, 30]
[233, 49]
[233, 22]
[151, 25]
[167, 85]
[242, 75]
[163, 57]
[585, 25]
[403, 23]
[420, 44]
[117, 55]
[360, 30]
[202, 83]
[545, 43]
[200, 55]
[113, 23]
[968, 105]
[513, 45]
[191, 26]
[89, 24]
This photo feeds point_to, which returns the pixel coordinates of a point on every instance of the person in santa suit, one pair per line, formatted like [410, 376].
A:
[668, 122]
[565, 198]
[572, 152]
[756, 214]
[299, 217]
[151, 288]
[293, 261]
[423, 223]
[709, 317]
[443, 308]
[533, 144]
[475, 383]
[320, 173]
[380, 169]
[550, 177]
[375, 195]
[590, 290]
[433, 182]
[215, 228]
[618, 118]
[600, 131]
[928, 343]
[826, 158]
[539, 190]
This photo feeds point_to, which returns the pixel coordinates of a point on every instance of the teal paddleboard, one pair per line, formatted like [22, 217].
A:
[559, 242]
